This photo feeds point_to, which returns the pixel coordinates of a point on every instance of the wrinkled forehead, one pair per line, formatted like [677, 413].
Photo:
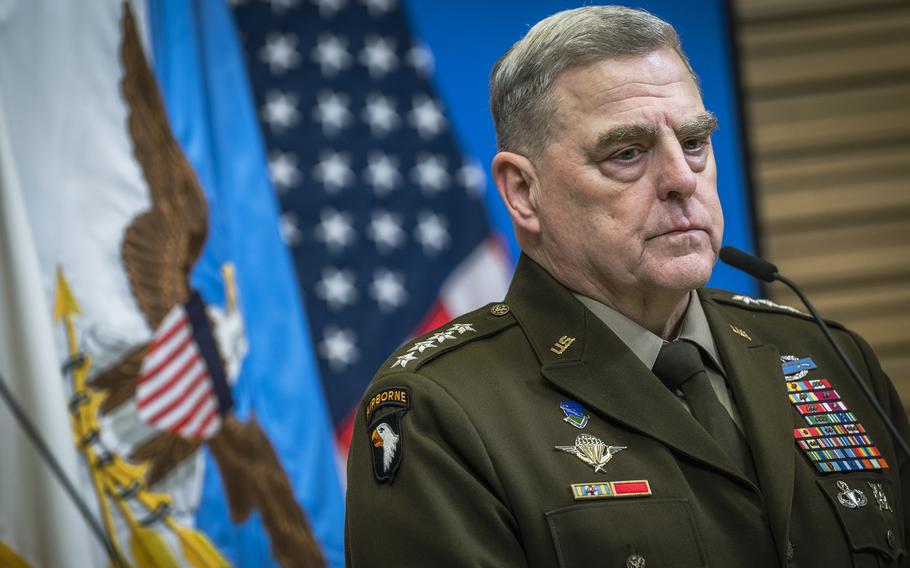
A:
[616, 84]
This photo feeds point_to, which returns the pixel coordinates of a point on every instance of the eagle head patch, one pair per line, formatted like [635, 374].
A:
[384, 411]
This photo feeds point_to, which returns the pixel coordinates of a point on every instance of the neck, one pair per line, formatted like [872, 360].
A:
[660, 311]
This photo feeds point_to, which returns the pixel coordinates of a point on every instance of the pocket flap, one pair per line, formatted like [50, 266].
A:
[662, 531]
[865, 513]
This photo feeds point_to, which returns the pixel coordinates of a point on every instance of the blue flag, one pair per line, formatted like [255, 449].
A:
[203, 79]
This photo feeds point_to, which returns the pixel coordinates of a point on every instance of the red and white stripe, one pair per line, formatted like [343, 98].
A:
[175, 390]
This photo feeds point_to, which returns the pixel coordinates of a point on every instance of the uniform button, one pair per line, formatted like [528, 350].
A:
[635, 561]
[790, 551]
[892, 540]
[499, 310]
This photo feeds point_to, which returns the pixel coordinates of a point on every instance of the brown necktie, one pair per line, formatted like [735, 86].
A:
[679, 366]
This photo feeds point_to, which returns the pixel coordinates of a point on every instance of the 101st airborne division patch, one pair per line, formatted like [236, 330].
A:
[383, 414]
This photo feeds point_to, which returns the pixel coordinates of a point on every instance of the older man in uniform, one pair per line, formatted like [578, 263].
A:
[611, 411]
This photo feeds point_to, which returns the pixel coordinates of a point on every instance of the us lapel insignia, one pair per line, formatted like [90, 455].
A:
[610, 489]
[592, 451]
[384, 411]
[740, 332]
[562, 344]
[850, 498]
[574, 413]
[880, 496]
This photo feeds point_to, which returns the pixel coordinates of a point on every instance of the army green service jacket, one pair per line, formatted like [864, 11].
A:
[454, 458]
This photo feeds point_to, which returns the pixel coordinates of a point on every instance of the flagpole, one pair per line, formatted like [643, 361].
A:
[48, 457]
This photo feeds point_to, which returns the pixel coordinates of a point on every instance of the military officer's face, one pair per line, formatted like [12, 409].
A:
[627, 190]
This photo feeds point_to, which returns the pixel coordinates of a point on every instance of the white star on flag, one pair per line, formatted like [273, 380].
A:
[388, 290]
[382, 173]
[431, 233]
[421, 59]
[280, 111]
[379, 113]
[282, 6]
[430, 173]
[332, 112]
[334, 229]
[328, 8]
[337, 288]
[426, 116]
[379, 7]
[290, 232]
[378, 55]
[385, 230]
[283, 171]
[338, 347]
[472, 177]
[334, 171]
[280, 52]
[331, 53]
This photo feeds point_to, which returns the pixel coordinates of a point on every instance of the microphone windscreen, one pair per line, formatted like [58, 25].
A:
[752, 265]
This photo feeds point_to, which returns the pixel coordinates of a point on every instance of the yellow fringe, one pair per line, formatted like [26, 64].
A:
[197, 549]
[149, 549]
[9, 559]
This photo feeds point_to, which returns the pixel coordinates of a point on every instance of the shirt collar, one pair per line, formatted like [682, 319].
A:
[646, 345]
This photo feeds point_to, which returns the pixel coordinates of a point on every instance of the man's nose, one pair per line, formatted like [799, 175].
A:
[674, 176]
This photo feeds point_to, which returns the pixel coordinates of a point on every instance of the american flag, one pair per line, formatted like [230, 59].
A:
[182, 386]
[381, 209]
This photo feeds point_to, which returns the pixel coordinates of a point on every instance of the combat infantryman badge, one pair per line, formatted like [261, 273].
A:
[575, 413]
[850, 498]
[592, 450]
[383, 413]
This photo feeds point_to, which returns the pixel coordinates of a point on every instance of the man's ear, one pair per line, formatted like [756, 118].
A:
[518, 185]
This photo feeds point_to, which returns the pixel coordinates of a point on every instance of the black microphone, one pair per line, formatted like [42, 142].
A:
[764, 270]
[751, 265]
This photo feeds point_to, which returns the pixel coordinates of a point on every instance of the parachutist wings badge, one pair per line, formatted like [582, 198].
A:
[592, 450]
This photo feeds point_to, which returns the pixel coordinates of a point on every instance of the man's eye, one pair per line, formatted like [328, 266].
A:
[627, 155]
[693, 144]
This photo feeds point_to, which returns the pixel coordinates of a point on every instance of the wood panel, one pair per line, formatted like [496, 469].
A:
[827, 89]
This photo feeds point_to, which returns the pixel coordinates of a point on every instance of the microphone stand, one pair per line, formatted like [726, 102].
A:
[763, 270]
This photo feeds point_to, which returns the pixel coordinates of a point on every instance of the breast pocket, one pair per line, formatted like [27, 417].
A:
[867, 510]
[658, 532]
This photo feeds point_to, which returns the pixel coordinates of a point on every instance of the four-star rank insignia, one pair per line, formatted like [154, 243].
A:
[384, 410]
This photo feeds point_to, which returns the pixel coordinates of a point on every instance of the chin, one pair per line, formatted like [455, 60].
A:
[685, 273]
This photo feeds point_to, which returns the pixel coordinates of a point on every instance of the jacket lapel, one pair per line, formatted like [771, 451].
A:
[600, 371]
[760, 392]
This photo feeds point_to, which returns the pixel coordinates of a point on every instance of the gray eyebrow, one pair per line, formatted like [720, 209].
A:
[623, 133]
[702, 125]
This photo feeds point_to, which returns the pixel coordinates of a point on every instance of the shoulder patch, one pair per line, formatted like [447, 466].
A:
[460, 331]
[383, 411]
